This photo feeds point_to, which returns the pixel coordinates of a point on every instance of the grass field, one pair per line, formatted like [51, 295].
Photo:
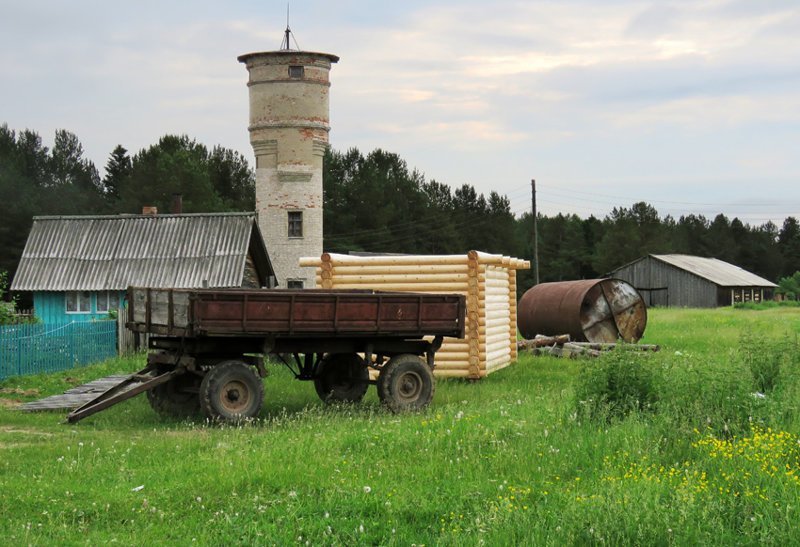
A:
[697, 444]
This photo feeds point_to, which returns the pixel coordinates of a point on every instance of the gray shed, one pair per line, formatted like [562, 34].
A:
[693, 281]
[78, 267]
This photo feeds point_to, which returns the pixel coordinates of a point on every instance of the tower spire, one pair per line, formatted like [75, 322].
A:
[288, 36]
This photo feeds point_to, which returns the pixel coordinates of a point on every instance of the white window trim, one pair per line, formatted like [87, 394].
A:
[77, 312]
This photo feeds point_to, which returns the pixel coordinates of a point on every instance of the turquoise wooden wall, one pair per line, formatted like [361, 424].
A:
[51, 307]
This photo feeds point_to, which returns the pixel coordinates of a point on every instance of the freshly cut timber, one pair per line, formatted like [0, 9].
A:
[593, 310]
[488, 281]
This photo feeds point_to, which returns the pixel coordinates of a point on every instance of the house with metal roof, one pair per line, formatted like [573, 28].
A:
[693, 281]
[78, 267]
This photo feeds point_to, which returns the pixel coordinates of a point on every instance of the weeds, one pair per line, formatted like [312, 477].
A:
[617, 384]
[680, 451]
[768, 360]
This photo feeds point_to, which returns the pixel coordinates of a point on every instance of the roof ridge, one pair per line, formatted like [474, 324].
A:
[126, 216]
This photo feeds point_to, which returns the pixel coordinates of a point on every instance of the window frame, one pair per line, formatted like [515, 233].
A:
[78, 309]
[290, 282]
[294, 225]
[297, 72]
[106, 298]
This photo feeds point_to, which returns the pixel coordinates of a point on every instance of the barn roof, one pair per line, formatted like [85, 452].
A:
[717, 271]
[69, 253]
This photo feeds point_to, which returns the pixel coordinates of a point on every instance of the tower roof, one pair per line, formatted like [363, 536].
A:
[288, 53]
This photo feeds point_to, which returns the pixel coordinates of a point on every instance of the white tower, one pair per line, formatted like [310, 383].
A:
[289, 125]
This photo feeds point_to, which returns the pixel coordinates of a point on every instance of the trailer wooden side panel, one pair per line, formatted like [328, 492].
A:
[238, 312]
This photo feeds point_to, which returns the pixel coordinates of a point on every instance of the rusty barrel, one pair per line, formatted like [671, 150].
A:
[592, 310]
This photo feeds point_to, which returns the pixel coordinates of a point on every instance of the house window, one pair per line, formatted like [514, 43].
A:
[294, 283]
[79, 302]
[295, 224]
[296, 72]
[107, 300]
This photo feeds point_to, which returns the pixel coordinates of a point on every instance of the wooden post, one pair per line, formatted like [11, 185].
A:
[512, 301]
[473, 319]
[535, 234]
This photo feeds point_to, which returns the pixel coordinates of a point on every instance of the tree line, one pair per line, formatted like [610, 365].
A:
[376, 203]
[373, 202]
[39, 181]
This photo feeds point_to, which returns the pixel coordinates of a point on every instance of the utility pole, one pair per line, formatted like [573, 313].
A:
[535, 234]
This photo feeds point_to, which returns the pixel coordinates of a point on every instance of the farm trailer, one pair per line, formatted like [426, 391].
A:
[207, 347]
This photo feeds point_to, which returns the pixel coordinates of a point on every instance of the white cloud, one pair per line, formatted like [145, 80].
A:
[577, 91]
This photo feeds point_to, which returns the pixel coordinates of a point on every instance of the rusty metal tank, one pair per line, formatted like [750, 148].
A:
[592, 310]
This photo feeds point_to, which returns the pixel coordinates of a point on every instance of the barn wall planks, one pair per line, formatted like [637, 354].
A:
[488, 281]
[665, 285]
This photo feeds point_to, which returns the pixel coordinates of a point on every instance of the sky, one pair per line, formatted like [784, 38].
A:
[690, 105]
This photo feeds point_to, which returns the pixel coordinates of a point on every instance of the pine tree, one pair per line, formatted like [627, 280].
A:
[118, 169]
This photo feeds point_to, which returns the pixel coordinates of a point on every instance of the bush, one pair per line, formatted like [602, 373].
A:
[789, 286]
[618, 383]
[766, 305]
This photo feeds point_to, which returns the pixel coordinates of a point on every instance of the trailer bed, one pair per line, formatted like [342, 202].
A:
[294, 313]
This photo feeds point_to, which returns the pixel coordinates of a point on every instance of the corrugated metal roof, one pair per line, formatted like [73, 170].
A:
[113, 252]
[717, 271]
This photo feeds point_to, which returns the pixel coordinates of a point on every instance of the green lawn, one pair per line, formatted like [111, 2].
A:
[709, 453]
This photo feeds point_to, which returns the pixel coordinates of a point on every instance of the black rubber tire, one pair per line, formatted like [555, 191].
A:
[406, 384]
[231, 391]
[342, 378]
[178, 398]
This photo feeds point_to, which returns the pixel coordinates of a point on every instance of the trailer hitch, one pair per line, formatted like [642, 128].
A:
[127, 389]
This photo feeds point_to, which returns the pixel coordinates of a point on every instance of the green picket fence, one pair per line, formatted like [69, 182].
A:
[36, 348]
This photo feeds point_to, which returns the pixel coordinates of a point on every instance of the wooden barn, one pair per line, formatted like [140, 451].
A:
[693, 281]
[78, 267]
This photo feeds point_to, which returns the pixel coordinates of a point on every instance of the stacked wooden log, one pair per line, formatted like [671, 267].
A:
[561, 346]
[488, 281]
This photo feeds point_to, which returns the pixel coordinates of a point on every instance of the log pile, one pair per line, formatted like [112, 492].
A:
[488, 281]
[561, 346]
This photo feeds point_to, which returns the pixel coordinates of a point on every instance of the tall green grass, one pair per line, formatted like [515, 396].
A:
[697, 453]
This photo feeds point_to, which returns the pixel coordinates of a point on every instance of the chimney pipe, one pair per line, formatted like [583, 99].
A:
[149, 210]
[177, 204]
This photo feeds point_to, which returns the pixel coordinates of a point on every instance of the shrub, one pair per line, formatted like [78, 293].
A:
[789, 286]
[618, 383]
[766, 305]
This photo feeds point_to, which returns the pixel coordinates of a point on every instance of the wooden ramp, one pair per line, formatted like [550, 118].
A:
[77, 396]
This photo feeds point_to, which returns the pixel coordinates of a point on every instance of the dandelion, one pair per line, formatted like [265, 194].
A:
[367, 489]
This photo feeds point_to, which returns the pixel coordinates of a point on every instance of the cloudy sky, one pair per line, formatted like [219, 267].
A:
[691, 105]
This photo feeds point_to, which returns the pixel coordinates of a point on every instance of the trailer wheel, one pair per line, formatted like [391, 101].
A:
[405, 384]
[178, 397]
[230, 391]
[341, 377]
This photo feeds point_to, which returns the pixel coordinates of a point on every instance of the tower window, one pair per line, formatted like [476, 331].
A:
[295, 223]
[296, 71]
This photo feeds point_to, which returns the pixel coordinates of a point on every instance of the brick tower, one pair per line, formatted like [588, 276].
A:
[289, 125]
